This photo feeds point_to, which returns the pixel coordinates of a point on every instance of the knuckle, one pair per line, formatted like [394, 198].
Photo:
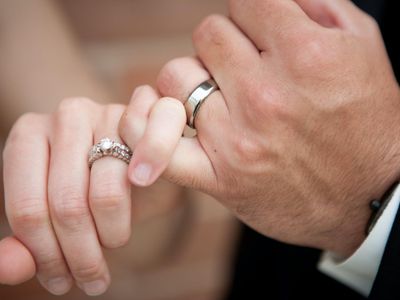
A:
[141, 91]
[157, 145]
[88, 271]
[28, 214]
[74, 104]
[262, 98]
[71, 216]
[265, 101]
[131, 128]
[108, 201]
[26, 121]
[113, 111]
[51, 264]
[368, 20]
[139, 96]
[24, 127]
[172, 109]
[312, 53]
[173, 104]
[168, 79]
[279, 110]
[209, 30]
[316, 53]
[69, 208]
[247, 150]
[372, 26]
[71, 114]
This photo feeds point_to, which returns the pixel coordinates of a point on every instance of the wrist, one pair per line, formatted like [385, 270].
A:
[382, 173]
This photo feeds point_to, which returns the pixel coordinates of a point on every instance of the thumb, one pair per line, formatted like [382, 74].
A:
[153, 127]
[16, 262]
[342, 14]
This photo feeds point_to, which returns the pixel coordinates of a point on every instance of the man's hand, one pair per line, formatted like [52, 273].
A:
[304, 131]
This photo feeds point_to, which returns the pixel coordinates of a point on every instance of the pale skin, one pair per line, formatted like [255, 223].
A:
[41, 39]
[303, 133]
[36, 80]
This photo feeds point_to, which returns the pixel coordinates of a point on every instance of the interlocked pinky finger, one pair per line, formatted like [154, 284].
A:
[154, 150]
[134, 121]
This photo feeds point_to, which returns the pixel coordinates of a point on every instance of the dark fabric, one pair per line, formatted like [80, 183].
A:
[267, 269]
[390, 26]
[375, 8]
[387, 282]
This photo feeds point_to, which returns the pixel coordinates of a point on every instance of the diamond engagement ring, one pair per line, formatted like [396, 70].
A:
[197, 98]
[108, 147]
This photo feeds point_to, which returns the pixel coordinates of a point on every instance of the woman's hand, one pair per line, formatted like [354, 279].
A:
[61, 212]
[304, 131]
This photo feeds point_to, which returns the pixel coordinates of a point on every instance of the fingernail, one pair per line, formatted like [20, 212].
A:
[95, 288]
[58, 286]
[142, 174]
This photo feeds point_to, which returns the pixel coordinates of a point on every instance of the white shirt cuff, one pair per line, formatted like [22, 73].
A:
[359, 271]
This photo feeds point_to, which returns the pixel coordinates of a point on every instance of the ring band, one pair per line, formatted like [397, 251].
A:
[197, 98]
[108, 147]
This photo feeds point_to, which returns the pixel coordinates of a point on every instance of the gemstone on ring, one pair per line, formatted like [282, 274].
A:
[108, 147]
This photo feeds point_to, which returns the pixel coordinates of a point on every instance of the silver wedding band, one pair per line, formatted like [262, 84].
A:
[197, 98]
[108, 147]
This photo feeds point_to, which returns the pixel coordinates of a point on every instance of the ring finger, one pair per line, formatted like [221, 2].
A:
[109, 194]
[179, 78]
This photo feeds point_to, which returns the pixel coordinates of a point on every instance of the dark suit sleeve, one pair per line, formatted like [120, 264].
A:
[387, 281]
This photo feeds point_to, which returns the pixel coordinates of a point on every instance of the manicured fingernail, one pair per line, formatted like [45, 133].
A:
[95, 288]
[58, 286]
[142, 174]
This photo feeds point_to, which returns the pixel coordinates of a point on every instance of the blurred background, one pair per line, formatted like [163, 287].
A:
[182, 244]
